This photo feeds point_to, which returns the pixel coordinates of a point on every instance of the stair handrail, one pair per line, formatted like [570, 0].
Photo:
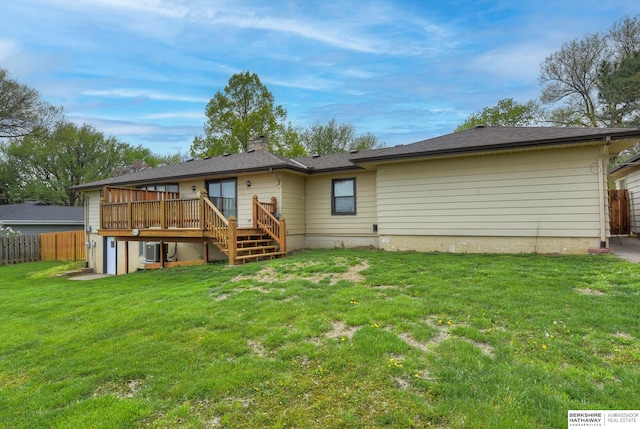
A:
[270, 224]
[213, 220]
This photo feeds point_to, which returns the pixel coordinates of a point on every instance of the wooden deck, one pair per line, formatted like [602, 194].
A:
[140, 215]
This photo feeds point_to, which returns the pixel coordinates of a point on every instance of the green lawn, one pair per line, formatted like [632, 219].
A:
[335, 339]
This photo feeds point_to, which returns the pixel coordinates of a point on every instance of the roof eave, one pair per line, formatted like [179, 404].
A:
[188, 176]
[487, 148]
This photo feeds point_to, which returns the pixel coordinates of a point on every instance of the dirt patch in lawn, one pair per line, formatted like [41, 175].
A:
[120, 389]
[587, 291]
[340, 330]
[270, 275]
[442, 335]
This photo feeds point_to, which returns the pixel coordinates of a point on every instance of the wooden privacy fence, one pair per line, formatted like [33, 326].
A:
[620, 211]
[19, 248]
[63, 246]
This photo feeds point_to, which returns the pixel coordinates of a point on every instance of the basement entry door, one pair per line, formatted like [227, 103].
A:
[111, 255]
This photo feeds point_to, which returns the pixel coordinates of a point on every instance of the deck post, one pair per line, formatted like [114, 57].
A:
[254, 204]
[103, 200]
[129, 224]
[283, 235]
[202, 196]
[163, 223]
[274, 205]
[232, 240]
[163, 259]
[126, 257]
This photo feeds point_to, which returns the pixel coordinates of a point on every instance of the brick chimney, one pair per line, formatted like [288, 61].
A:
[260, 143]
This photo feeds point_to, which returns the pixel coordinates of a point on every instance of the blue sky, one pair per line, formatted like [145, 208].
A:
[143, 71]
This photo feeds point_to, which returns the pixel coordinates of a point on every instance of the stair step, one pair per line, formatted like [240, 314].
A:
[249, 232]
[259, 257]
[254, 243]
[252, 249]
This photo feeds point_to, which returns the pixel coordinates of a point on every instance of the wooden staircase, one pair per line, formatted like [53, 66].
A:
[142, 215]
[253, 244]
[264, 241]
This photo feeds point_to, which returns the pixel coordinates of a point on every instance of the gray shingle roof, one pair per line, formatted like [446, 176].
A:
[330, 162]
[37, 211]
[494, 138]
[245, 162]
[474, 140]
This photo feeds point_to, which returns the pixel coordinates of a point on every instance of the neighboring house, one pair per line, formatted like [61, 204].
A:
[487, 189]
[34, 217]
[627, 176]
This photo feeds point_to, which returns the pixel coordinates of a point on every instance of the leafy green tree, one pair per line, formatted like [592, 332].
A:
[21, 110]
[9, 182]
[507, 113]
[51, 161]
[619, 91]
[584, 78]
[332, 137]
[244, 110]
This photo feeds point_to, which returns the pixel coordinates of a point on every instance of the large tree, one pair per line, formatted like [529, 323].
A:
[244, 110]
[333, 137]
[51, 161]
[619, 91]
[572, 78]
[21, 110]
[9, 182]
[507, 112]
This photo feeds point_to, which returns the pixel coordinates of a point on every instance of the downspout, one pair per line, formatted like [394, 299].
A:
[601, 179]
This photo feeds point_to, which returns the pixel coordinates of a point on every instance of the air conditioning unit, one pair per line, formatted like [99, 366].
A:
[152, 252]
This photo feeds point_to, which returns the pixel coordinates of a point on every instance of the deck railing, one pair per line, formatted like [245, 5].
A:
[141, 209]
[110, 194]
[266, 220]
[214, 221]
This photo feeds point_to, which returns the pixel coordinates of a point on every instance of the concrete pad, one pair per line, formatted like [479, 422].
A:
[626, 247]
[91, 277]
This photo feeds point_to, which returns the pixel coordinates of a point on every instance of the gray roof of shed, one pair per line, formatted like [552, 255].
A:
[37, 211]
[630, 163]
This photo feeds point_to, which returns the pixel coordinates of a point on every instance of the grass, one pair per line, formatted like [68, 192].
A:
[339, 338]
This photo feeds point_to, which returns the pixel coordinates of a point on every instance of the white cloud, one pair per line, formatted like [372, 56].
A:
[157, 7]
[520, 62]
[8, 48]
[142, 93]
[173, 115]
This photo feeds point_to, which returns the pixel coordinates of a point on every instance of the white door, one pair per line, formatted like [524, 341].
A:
[112, 255]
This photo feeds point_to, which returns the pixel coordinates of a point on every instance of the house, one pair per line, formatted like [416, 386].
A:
[487, 189]
[34, 217]
[627, 177]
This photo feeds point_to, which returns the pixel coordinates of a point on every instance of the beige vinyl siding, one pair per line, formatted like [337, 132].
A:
[264, 186]
[93, 217]
[633, 185]
[292, 204]
[552, 193]
[318, 206]
[186, 191]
